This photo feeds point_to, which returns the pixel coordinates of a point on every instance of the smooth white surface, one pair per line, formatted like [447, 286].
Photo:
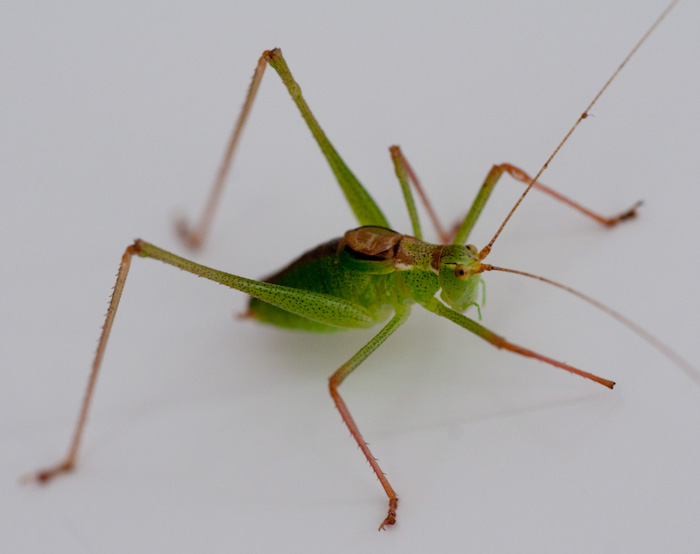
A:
[215, 435]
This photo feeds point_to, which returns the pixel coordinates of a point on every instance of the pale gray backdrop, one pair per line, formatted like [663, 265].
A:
[215, 435]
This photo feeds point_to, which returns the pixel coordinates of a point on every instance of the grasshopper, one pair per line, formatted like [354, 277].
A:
[372, 274]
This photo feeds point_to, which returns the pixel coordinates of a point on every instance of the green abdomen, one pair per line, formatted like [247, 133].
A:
[318, 270]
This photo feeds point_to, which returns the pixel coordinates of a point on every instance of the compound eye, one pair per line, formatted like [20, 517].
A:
[472, 249]
[461, 272]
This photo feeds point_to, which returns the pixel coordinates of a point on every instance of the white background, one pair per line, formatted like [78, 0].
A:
[210, 434]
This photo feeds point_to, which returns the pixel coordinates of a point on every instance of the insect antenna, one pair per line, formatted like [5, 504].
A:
[662, 347]
[485, 251]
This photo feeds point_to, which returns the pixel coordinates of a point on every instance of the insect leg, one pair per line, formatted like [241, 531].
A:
[401, 164]
[339, 376]
[194, 236]
[462, 233]
[402, 171]
[317, 306]
[68, 463]
[499, 342]
[362, 204]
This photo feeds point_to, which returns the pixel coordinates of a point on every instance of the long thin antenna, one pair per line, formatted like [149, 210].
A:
[485, 251]
[662, 347]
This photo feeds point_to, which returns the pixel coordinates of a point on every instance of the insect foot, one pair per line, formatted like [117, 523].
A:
[391, 516]
[45, 475]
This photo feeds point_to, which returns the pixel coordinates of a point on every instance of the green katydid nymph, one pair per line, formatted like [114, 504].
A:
[370, 275]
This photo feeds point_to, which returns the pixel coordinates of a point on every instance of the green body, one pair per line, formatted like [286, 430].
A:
[318, 270]
[404, 271]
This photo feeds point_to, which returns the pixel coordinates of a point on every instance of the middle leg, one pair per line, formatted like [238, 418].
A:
[461, 232]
